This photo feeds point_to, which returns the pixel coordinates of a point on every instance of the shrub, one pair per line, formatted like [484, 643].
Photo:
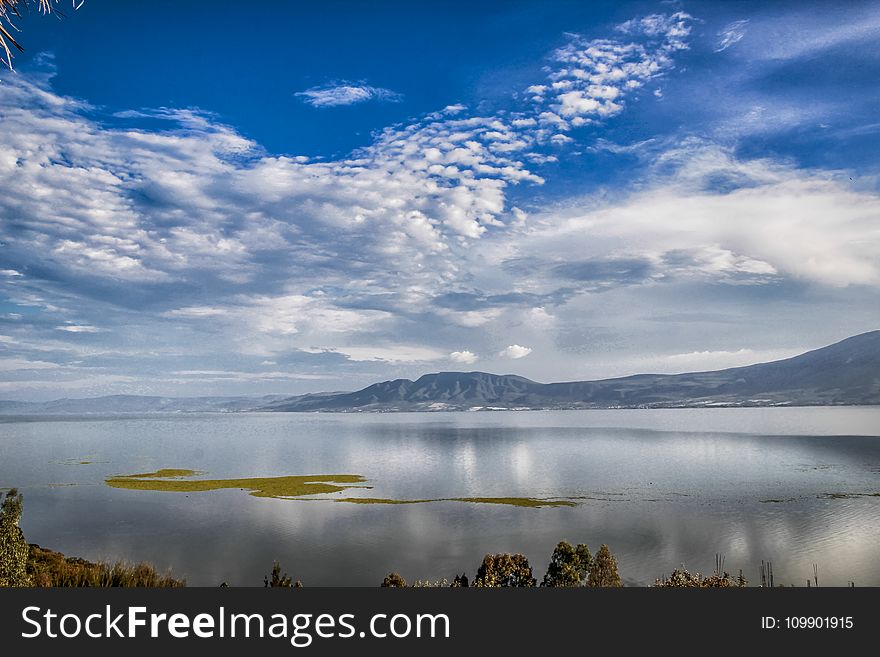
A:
[394, 581]
[681, 578]
[49, 568]
[431, 583]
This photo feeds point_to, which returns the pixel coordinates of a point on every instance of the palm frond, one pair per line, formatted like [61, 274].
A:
[10, 9]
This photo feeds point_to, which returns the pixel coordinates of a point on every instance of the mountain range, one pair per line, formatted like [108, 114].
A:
[138, 404]
[844, 373]
[847, 372]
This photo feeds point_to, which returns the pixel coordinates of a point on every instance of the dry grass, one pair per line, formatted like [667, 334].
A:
[48, 568]
[12, 9]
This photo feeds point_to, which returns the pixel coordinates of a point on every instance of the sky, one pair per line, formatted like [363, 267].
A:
[288, 198]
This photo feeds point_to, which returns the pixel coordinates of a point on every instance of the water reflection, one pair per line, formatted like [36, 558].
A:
[660, 498]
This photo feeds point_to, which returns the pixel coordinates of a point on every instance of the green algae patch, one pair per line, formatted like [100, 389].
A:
[531, 502]
[535, 503]
[170, 480]
[297, 486]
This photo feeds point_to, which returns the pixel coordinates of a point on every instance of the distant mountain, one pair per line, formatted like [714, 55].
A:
[844, 373]
[137, 404]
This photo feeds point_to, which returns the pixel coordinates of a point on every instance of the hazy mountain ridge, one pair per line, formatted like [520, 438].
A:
[139, 404]
[845, 373]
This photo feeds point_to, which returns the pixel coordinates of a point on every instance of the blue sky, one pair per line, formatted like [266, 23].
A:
[295, 198]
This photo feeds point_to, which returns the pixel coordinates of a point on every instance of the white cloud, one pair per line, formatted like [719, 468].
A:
[766, 221]
[197, 312]
[693, 361]
[401, 353]
[731, 35]
[672, 28]
[539, 318]
[515, 351]
[711, 360]
[91, 385]
[79, 328]
[464, 357]
[593, 77]
[16, 364]
[809, 32]
[197, 202]
[191, 241]
[232, 375]
[295, 313]
[337, 94]
[268, 325]
[471, 318]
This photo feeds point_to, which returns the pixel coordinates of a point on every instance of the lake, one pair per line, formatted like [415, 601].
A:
[663, 488]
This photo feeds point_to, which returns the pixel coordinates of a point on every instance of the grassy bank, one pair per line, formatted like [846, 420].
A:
[50, 568]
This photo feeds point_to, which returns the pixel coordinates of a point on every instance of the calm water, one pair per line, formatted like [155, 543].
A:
[668, 487]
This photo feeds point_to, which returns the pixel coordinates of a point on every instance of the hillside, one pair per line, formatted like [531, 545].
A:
[847, 372]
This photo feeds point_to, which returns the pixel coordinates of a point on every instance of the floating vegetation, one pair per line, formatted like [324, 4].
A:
[532, 502]
[845, 496]
[165, 473]
[181, 481]
[772, 501]
[171, 480]
[88, 460]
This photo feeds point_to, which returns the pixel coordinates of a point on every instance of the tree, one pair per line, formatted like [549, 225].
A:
[460, 581]
[13, 548]
[394, 581]
[504, 570]
[604, 570]
[9, 9]
[280, 581]
[569, 566]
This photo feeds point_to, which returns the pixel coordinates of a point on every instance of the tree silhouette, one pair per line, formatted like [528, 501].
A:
[460, 581]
